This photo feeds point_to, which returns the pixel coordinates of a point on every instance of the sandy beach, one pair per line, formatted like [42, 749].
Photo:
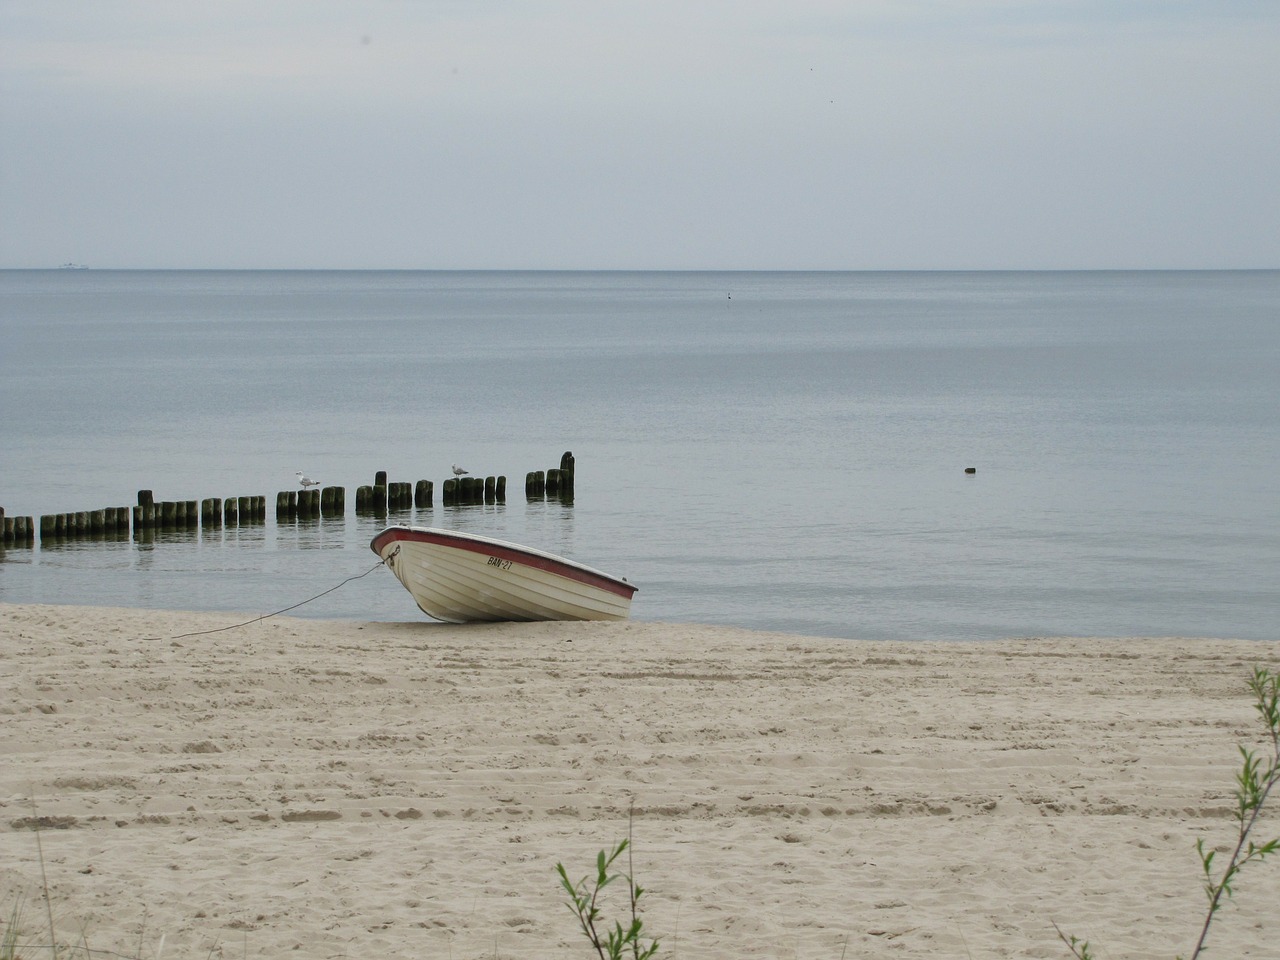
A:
[334, 789]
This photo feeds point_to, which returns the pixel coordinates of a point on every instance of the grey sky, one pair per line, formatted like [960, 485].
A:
[661, 134]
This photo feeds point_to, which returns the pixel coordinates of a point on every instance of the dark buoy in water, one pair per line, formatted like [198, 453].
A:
[970, 469]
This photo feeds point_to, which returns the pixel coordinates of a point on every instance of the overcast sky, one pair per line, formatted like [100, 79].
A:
[655, 134]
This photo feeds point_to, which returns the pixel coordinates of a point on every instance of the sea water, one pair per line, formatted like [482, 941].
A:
[781, 451]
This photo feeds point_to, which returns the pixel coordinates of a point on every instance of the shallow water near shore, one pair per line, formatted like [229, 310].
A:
[777, 451]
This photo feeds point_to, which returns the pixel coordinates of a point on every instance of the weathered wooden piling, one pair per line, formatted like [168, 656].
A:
[211, 511]
[378, 501]
[286, 505]
[566, 473]
[553, 482]
[308, 504]
[422, 494]
[500, 489]
[333, 501]
[145, 498]
[17, 531]
[535, 484]
[399, 495]
[490, 489]
[380, 478]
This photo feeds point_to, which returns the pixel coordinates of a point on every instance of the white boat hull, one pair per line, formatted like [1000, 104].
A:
[463, 577]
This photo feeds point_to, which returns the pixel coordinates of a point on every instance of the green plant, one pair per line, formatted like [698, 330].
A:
[584, 903]
[9, 942]
[1254, 783]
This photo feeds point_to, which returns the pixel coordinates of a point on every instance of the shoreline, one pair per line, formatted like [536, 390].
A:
[336, 788]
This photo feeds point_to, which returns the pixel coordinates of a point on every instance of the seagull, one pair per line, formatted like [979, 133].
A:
[307, 481]
[458, 471]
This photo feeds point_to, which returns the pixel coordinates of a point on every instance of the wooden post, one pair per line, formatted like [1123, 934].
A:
[422, 492]
[145, 498]
[364, 499]
[500, 490]
[378, 503]
[380, 478]
[566, 474]
[395, 495]
[490, 489]
[553, 482]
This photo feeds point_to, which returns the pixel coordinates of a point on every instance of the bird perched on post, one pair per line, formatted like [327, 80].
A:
[458, 471]
[307, 481]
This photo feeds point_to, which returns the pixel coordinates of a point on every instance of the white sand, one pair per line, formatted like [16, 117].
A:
[328, 789]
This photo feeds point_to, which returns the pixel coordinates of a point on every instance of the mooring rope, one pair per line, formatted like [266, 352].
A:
[265, 616]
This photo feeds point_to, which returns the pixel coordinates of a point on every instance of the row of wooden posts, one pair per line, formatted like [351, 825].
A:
[212, 512]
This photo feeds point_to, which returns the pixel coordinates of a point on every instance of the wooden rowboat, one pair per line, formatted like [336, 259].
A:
[462, 577]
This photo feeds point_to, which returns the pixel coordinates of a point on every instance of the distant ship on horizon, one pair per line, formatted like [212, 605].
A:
[73, 266]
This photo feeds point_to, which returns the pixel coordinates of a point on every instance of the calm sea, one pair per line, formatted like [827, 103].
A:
[769, 450]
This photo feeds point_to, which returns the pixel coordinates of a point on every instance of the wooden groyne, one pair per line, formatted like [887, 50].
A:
[555, 482]
[460, 491]
[16, 531]
[330, 502]
[312, 504]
